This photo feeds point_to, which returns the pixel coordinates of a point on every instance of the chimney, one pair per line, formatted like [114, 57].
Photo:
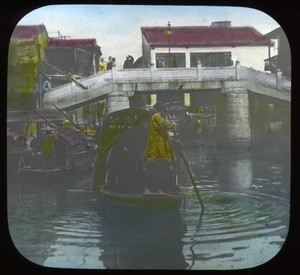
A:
[221, 24]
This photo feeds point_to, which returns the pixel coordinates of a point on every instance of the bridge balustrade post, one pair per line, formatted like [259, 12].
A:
[113, 73]
[237, 70]
[279, 79]
[151, 70]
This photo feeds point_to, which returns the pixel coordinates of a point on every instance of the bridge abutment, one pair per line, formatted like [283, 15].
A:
[117, 101]
[233, 118]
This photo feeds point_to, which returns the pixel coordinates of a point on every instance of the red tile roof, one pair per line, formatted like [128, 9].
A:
[27, 32]
[204, 36]
[71, 43]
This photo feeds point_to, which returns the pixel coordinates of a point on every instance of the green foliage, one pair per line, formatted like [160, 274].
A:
[24, 58]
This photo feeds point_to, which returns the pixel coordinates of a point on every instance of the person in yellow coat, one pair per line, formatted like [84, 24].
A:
[160, 156]
[159, 146]
[48, 147]
[102, 65]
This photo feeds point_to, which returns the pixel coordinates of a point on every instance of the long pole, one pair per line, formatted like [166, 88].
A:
[68, 76]
[188, 169]
[68, 118]
[173, 97]
[169, 52]
[186, 164]
[77, 127]
[46, 120]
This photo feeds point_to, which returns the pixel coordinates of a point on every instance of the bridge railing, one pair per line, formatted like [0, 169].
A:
[168, 74]
[264, 78]
[184, 74]
[174, 74]
[155, 74]
[69, 90]
[216, 73]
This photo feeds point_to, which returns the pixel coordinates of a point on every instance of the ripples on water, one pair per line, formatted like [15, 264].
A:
[235, 231]
[61, 226]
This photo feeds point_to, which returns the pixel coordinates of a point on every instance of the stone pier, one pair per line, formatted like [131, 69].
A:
[118, 101]
[233, 118]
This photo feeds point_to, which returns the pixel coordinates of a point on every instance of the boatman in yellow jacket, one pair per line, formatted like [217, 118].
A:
[160, 154]
[48, 147]
[159, 146]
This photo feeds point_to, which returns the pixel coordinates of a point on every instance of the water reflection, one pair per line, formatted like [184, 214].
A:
[236, 231]
[235, 170]
[245, 222]
[134, 240]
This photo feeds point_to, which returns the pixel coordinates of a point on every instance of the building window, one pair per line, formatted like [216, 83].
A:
[164, 60]
[211, 59]
[187, 99]
[153, 99]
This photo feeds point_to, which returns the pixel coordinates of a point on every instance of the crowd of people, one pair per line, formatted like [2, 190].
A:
[105, 66]
[128, 63]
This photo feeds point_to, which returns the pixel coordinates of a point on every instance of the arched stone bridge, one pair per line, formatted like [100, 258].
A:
[134, 81]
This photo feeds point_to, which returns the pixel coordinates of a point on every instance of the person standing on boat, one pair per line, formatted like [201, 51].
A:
[48, 147]
[159, 146]
[160, 154]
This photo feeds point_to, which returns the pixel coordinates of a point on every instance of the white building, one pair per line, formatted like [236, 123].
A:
[217, 45]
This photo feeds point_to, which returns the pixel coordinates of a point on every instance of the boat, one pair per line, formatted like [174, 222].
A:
[15, 142]
[71, 152]
[122, 177]
[71, 156]
[192, 128]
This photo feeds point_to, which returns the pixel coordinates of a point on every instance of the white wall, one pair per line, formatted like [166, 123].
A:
[274, 49]
[252, 57]
[249, 56]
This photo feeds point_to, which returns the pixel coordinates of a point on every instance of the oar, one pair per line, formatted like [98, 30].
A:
[183, 156]
[188, 170]
[68, 76]
[46, 120]
[77, 127]
[173, 97]
[22, 153]
[68, 118]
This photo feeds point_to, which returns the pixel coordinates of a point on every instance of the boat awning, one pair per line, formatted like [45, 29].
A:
[15, 138]
[32, 116]
[73, 137]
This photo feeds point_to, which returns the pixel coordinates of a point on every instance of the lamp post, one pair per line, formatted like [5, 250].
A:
[169, 33]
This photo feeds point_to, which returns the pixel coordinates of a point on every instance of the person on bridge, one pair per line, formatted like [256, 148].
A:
[109, 63]
[102, 65]
[128, 63]
[46, 86]
[174, 63]
[114, 62]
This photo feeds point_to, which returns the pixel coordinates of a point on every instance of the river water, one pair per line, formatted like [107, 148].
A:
[245, 222]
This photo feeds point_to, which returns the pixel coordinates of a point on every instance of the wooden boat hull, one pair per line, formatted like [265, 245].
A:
[43, 175]
[150, 202]
[122, 175]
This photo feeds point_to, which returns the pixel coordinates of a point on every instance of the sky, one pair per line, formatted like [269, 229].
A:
[117, 28]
